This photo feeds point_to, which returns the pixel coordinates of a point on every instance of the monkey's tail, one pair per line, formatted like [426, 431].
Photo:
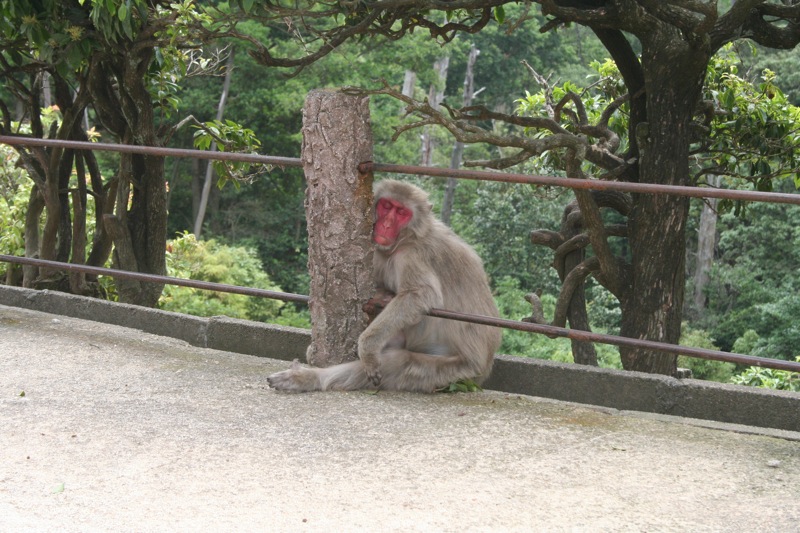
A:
[343, 377]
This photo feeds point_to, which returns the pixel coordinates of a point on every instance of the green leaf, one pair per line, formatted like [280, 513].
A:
[499, 14]
[728, 99]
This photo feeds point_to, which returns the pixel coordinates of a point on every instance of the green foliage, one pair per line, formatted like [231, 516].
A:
[215, 262]
[499, 71]
[753, 132]
[117, 19]
[15, 189]
[752, 293]
[602, 307]
[703, 368]
[511, 302]
[769, 378]
[757, 58]
[498, 224]
[596, 97]
[751, 127]
[228, 136]
[463, 385]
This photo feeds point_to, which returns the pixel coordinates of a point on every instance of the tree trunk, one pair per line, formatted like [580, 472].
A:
[435, 97]
[32, 214]
[336, 138]
[458, 147]
[653, 305]
[201, 210]
[706, 242]
[77, 280]
[409, 83]
[139, 229]
[104, 205]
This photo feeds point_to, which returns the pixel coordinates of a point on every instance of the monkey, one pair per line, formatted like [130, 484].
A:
[419, 264]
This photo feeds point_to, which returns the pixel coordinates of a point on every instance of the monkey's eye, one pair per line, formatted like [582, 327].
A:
[385, 204]
[403, 212]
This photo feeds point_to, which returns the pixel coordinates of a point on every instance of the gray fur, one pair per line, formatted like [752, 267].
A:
[429, 266]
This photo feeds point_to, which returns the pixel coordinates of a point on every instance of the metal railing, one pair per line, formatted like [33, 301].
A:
[552, 331]
[483, 175]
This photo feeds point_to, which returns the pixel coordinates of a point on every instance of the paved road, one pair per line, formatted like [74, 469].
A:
[104, 428]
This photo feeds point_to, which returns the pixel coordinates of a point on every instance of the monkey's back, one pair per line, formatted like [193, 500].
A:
[464, 288]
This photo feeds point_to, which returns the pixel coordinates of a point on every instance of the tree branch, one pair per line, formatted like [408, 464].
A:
[574, 279]
[748, 19]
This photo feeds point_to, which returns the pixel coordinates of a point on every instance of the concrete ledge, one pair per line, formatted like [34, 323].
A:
[220, 333]
[631, 391]
[256, 338]
[651, 393]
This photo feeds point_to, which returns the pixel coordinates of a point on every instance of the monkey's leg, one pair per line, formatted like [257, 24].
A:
[347, 376]
[421, 372]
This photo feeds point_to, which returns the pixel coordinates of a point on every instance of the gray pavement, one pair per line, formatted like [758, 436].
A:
[106, 428]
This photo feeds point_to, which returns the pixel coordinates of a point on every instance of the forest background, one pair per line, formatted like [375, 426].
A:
[251, 232]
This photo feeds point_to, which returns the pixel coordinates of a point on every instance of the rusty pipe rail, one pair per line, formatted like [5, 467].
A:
[483, 175]
[616, 340]
[595, 185]
[152, 150]
[154, 278]
[552, 331]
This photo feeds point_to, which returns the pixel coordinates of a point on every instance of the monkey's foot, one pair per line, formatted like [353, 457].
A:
[297, 379]
[373, 373]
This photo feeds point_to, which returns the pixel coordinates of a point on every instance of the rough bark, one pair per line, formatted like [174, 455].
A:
[36, 205]
[336, 138]
[653, 304]
[139, 228]
[706, 242]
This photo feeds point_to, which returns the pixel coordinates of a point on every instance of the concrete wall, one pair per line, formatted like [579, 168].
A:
[590, 385]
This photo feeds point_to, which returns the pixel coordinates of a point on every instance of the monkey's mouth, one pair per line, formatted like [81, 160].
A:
[381, 240]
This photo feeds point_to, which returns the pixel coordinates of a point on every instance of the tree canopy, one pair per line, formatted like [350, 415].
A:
[662, 51]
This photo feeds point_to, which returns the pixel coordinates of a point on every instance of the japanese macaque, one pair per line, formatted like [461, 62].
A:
[419, 264]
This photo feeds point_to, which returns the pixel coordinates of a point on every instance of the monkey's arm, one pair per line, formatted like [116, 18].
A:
[420, 292]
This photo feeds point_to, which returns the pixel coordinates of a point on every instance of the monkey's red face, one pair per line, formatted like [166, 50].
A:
[392, 216]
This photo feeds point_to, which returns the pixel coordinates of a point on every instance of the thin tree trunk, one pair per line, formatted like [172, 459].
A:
[47, 94]
[706, 242]
[35, 207]
[336, 138]
[77, 280]
[435, 97]
[409, 82]
[458, 147]
[201, 211]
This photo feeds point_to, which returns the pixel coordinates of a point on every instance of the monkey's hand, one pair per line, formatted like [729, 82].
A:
[377, 303]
